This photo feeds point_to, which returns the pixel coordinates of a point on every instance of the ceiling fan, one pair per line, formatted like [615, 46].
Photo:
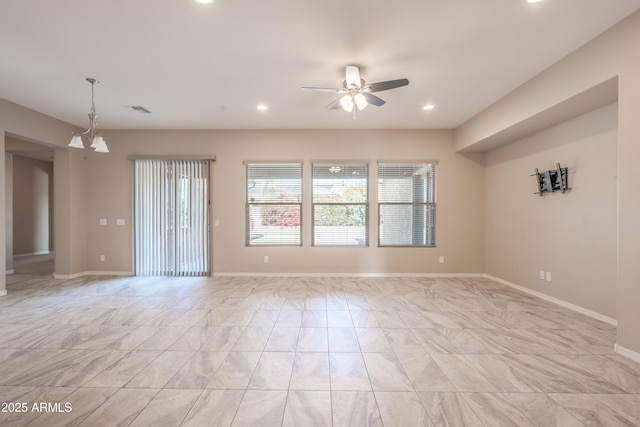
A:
[357, 92]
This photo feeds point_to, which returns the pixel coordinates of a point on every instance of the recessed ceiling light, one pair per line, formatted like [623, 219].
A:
[262, 107]
[428, 107]
[205, 1]
[534, 1]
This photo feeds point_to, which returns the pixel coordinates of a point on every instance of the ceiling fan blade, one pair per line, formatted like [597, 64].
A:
[323, 89]
[373, 100]
[334, 105]
[389, 84]
[352, 76]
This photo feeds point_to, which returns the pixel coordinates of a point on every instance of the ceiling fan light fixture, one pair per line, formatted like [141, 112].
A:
[360, 101]
[428, 107]
[358, 94]
[347, 103]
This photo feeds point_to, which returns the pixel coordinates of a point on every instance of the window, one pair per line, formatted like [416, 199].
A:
[274, 204]
[340, 204]
[406, 204]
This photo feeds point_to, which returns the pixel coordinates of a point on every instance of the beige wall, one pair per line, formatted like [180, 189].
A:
[69, 193]
[32, 205]
[573, 235]
[614, 53]
[460, 199]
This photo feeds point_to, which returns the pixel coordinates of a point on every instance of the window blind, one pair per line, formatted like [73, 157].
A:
[406, 204]
[340, 204]
[273, 204]
[171, 207]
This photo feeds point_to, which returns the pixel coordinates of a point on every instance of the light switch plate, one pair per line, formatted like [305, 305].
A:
[120, 221]
[103, 221]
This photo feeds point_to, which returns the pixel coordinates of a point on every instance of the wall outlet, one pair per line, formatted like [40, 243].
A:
[102, 258]
[216, 222]
[266, 259]
[120, 221]
[541, 275]
[441, 260]
[548, 276]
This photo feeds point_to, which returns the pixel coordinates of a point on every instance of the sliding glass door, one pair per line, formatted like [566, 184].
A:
[171, 207]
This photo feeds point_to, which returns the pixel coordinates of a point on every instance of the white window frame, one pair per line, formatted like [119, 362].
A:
[286, 202]
[409, 210]
[324, 235]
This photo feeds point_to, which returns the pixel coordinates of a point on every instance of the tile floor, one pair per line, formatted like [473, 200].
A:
[267, 351]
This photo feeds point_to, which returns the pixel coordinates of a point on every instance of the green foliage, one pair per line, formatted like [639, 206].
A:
[339, 215]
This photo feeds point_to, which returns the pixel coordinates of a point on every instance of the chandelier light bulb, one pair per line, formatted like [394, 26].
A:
[98, 141]
[99, 144]
[76, 142]
[102, 148]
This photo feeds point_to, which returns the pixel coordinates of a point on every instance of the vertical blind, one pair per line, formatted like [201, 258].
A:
[273, 204]
[340, 204]
[171, 207]
[406, 204]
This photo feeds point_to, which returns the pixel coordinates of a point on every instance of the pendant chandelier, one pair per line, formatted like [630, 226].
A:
[91, 135]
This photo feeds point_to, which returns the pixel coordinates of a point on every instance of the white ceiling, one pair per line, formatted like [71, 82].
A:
[198, 66]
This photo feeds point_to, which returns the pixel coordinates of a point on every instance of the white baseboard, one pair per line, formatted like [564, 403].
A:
[3, 293]
[10, 271]
[259, 274]
[554, 300]
[630, 354]
[92, 273]
[108, 273]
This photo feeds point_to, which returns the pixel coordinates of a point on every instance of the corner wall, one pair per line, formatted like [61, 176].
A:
[70, 198]
[612, 54]
[571, 235]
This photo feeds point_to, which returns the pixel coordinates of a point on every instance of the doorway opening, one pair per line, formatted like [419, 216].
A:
[29, 207]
